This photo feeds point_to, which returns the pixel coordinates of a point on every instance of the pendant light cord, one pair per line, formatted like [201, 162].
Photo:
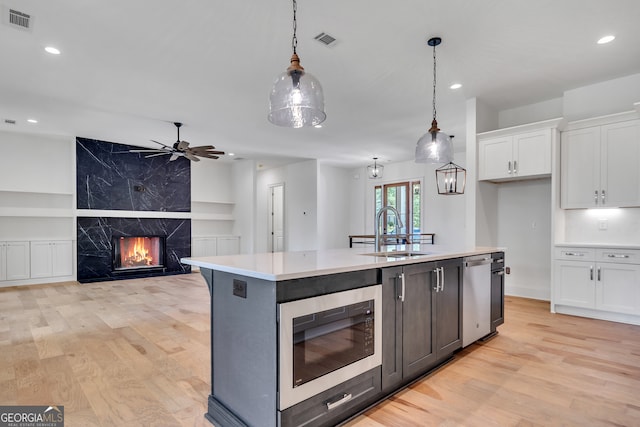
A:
[434, 81]
[294, 39]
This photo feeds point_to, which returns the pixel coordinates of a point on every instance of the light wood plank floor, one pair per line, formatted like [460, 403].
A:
[136, 353]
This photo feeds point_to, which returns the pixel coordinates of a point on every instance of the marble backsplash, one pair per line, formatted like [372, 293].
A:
[109, 177]
[95, 240]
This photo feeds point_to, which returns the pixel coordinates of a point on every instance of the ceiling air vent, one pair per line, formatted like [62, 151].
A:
[10, 121]
[325, 39]
[17, 19]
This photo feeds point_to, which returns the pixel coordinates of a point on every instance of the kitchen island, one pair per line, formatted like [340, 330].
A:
[386, 319]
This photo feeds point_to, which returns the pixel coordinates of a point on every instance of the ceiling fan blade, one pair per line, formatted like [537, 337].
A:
[205, 149]
[148, 151]
[174, 156]
[160, 143]
[156, 155]
[191, 157]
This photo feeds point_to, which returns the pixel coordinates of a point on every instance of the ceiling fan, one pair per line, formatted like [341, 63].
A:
[181, 149]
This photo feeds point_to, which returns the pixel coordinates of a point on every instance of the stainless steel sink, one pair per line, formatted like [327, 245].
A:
[397, 254]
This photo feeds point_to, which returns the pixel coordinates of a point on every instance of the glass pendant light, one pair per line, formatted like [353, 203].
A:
[375, 170]
[296, 99]
[434, 146]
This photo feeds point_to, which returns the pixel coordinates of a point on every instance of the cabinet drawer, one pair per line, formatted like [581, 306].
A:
[620, 256]
[335, 404]
[577, 254]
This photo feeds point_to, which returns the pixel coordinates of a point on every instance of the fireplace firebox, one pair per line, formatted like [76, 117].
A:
[132, 253]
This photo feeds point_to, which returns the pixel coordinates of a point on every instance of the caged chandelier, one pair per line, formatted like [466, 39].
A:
[296, 99]
[434, 146]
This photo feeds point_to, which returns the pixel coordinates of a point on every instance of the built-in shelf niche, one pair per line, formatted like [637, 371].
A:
[31, 204]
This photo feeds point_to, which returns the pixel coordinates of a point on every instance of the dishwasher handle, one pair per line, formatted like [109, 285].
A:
[476, 262]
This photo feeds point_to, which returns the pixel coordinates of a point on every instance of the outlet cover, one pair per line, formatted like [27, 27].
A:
[602, 224]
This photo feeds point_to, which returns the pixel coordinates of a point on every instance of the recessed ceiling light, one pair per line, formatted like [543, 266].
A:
[606, 39]
[231, 154]
[52, 50]
[32, 120]
[317, 126]
[455, 86]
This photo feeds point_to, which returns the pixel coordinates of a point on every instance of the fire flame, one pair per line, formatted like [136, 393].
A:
[137, 252]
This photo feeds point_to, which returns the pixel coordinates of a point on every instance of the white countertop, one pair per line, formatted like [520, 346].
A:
[293, 265]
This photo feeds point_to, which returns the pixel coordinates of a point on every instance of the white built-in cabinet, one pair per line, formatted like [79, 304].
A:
[211, 228]
[598, 282]
[14, 260]
[600, 165]
[212, 246]
[51, 259]
[520, 152]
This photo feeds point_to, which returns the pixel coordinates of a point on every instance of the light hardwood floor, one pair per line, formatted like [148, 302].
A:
[136, 353]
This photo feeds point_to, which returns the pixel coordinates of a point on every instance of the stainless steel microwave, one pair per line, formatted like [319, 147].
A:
[326, 340]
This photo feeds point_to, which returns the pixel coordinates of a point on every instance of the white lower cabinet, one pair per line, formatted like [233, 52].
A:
[51, 259]
[212, 246]
[14, 260]
[598, 279]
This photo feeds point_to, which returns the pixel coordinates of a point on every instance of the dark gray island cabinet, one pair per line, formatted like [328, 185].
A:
[422, 325]
[374, 325]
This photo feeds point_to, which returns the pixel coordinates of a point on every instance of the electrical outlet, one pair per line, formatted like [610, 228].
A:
[602, 224]
[239, 288]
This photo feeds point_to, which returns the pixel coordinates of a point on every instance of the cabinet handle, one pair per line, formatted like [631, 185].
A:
[509, 167]
[573, 254]
[437, 271]
[598, 274]
[442, 280]
[591, 273]
[603, 197]
[595, 197]
[499, 273]
[342, 399]
[515, 166]
[617, 256]
[401, 296]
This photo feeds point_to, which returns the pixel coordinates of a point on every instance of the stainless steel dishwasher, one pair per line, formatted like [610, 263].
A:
[476, 298]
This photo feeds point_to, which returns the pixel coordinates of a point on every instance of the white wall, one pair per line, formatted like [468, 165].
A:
[244, 190]
[545, 110]
[301, 206]
[609, 97]
[333, 207]
[300, 201]
[211, 181]
[37, 163]
[623, 226]
[524, 229]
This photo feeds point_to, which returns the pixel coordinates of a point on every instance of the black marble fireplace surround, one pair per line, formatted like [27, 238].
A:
[95, 251]
[111, 178]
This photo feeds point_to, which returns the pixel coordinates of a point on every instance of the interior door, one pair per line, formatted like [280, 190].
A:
[276, 218]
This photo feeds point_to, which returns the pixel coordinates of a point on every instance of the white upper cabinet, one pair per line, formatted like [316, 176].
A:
[515, 153]
[599, 166]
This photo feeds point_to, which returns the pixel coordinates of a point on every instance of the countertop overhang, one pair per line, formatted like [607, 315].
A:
[278, 266]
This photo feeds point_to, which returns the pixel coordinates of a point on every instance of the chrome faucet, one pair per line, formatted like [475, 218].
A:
[377, 224]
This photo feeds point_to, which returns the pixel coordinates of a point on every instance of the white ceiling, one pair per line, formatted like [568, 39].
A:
[130, 68]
